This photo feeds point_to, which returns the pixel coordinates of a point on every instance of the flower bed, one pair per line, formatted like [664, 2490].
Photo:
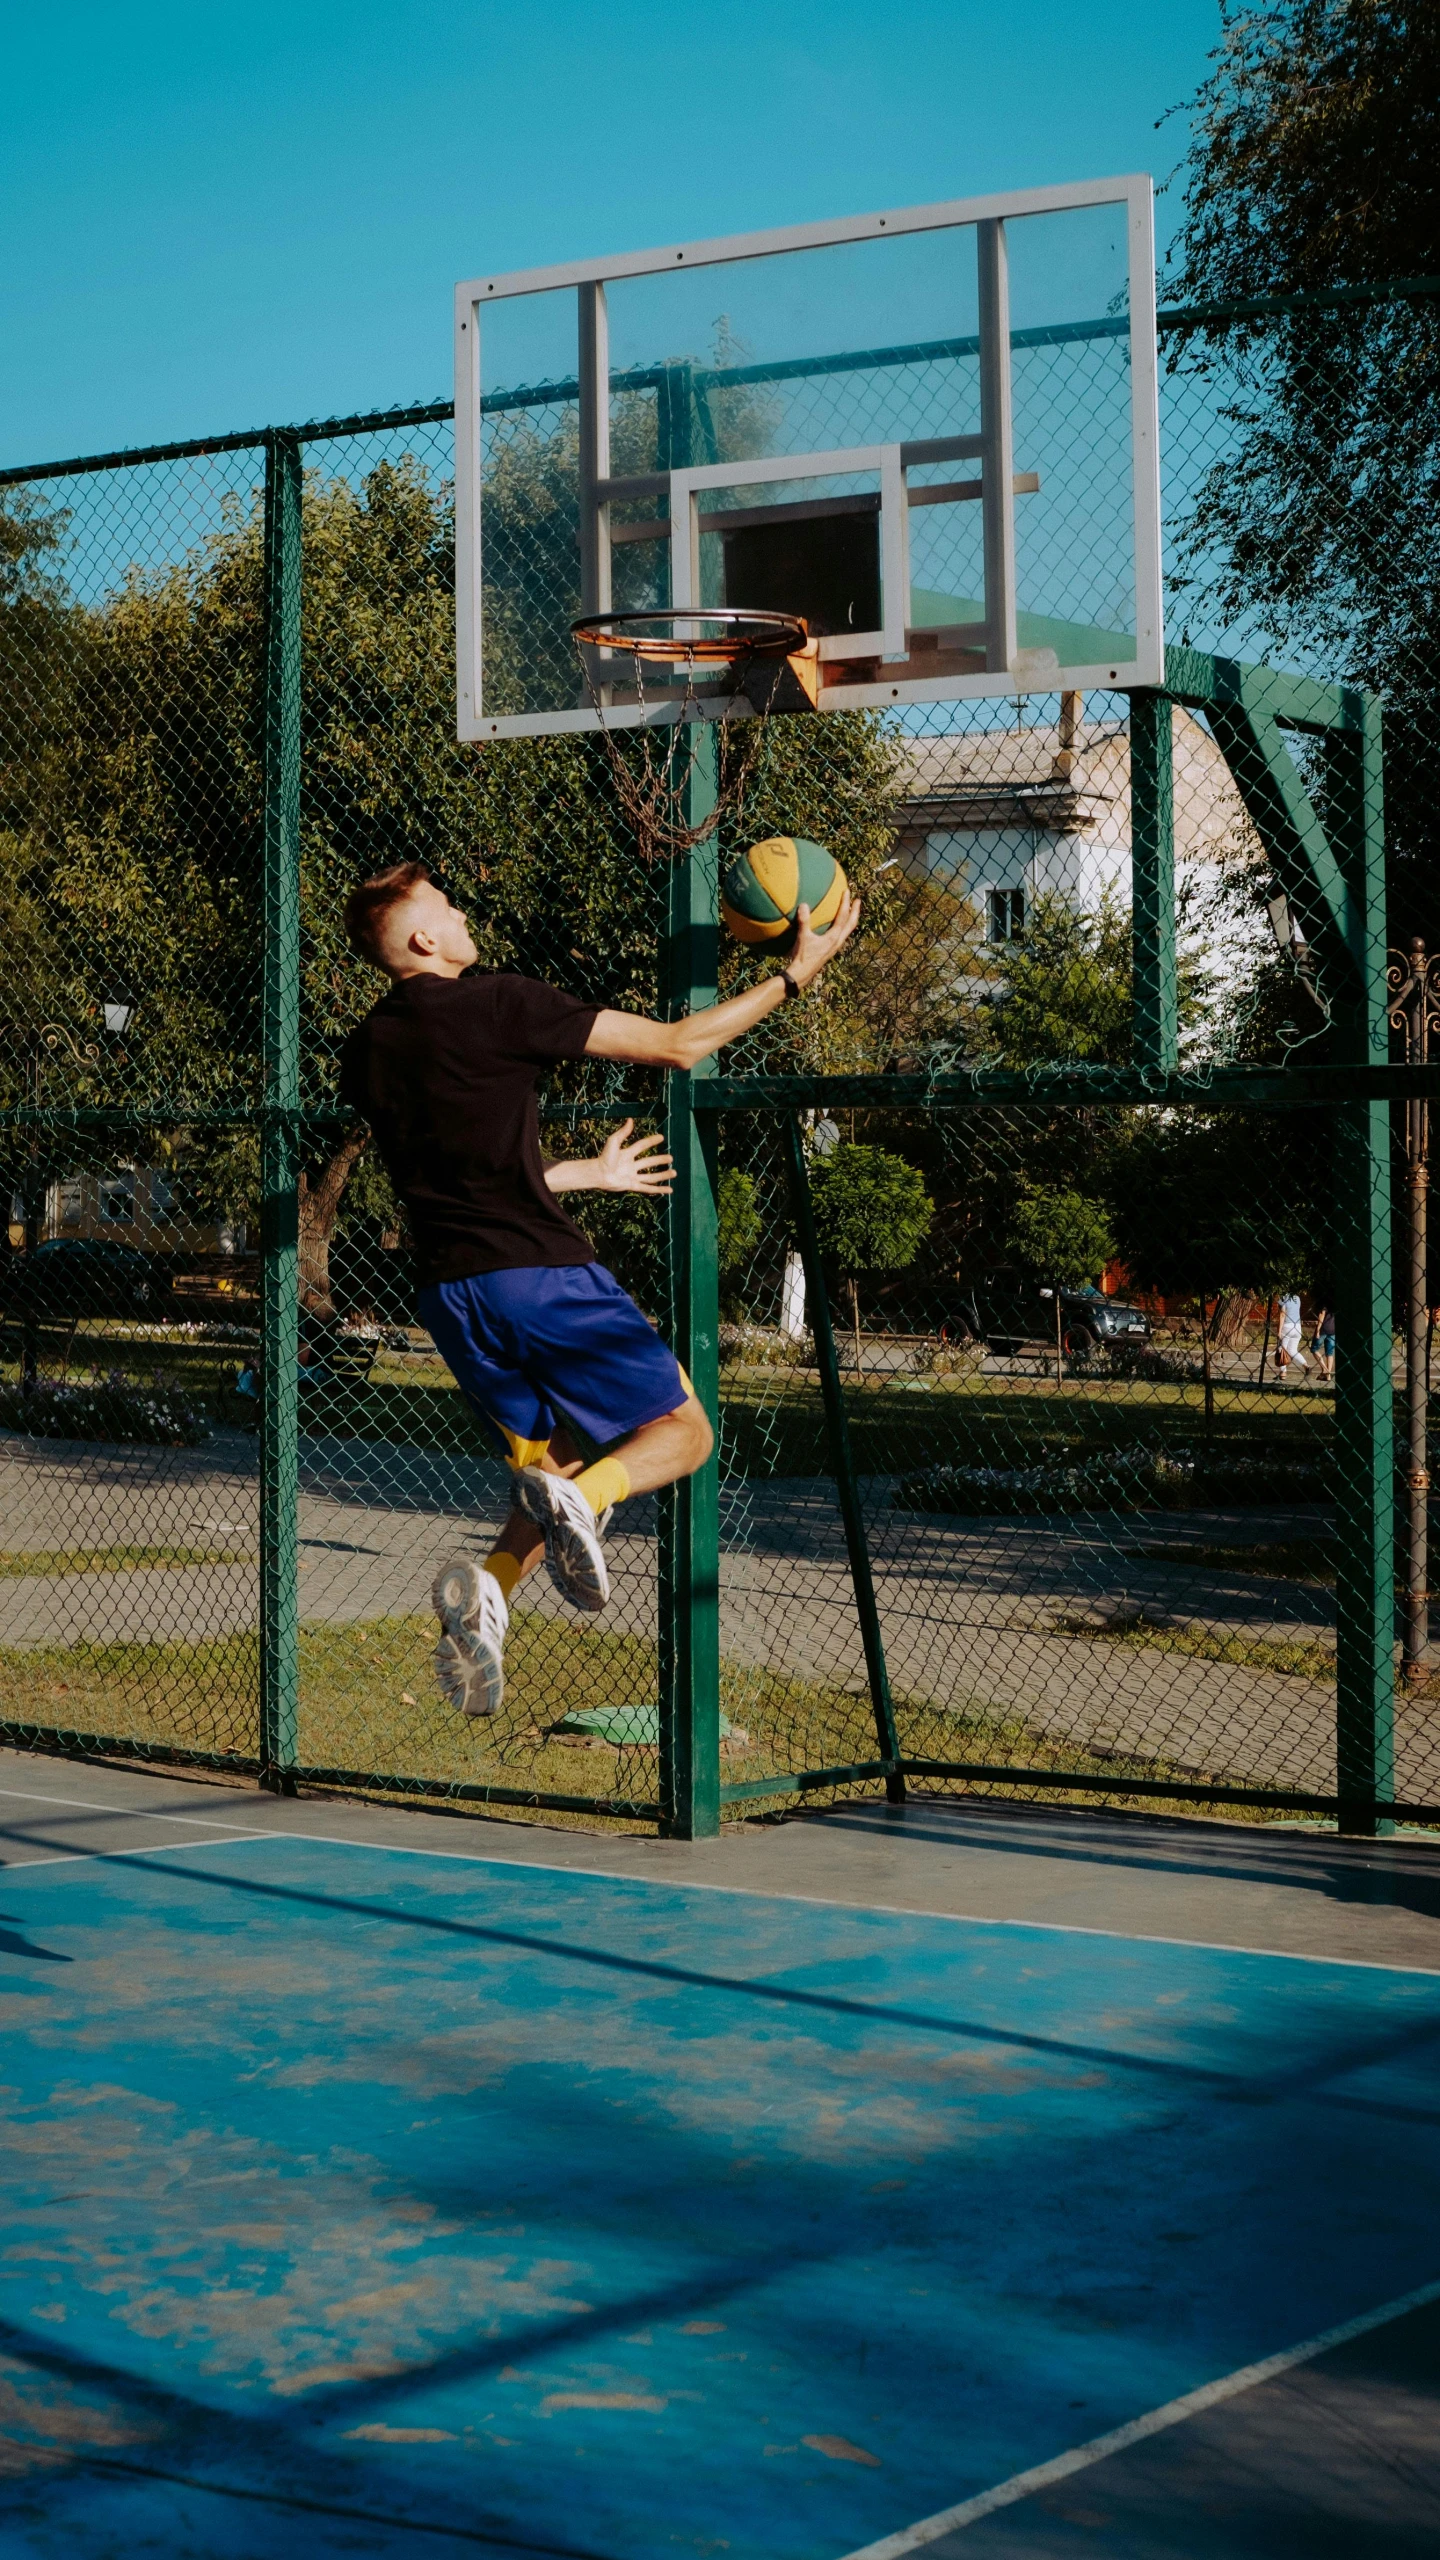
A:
[108, 1409]
[1154, 1479]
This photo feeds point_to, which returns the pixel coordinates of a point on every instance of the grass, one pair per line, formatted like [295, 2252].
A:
[774, 1423]
[18, 1561]
[368, 1703]
[1297, 1658]
[1310, 1560]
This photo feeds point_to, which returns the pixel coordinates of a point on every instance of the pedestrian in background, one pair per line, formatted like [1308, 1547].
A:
[1322, 1343]
[1288, 1345]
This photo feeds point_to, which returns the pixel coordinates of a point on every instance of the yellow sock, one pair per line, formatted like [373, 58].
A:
[602, 1484]
[506, 1570]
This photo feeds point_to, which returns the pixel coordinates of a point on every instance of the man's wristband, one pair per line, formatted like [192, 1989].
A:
[791, 985]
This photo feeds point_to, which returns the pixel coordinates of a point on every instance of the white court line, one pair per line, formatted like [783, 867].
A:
[151, 1849]
[896, 2546]
[744, 1892]
[135, 1813]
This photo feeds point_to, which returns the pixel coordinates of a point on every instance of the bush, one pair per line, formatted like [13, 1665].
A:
[1140, 1479]
[872, 1210]
[1064, 1236]
[1136, 1360]
[758, 1346]
[156, 1417]
[738, 1211]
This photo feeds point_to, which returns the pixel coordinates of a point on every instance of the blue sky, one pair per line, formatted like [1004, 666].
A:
[216, 217]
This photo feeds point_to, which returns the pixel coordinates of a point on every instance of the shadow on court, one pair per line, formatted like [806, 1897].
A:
[365, 2202]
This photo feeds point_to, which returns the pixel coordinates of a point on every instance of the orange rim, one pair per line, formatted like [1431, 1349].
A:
[692, 635]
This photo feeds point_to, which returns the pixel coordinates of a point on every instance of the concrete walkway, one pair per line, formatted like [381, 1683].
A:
[980, 1616]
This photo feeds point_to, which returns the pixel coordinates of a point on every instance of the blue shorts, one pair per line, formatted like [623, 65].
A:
[547, 1344]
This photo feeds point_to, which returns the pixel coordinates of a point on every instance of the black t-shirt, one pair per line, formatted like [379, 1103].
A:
[445, 1071]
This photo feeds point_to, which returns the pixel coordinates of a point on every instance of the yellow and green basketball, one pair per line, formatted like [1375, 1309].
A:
[762, 889]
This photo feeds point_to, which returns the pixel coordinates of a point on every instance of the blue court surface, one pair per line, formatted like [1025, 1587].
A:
[363, 2201]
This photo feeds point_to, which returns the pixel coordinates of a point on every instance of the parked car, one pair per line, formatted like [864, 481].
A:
[1007, 1312]
[71, 1276]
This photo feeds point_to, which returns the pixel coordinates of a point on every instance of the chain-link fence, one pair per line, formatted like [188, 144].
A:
[1038, 1264]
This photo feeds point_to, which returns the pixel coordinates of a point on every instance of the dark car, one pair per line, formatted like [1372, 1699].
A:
[1008, 1311]
[83, 1276]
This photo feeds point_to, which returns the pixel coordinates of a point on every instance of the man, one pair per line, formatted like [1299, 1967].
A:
[538, 1333]
[1287, 1347]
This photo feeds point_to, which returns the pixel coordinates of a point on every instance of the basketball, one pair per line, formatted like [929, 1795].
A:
[762, 889]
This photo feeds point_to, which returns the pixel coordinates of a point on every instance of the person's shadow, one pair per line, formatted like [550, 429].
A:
[12, 1944]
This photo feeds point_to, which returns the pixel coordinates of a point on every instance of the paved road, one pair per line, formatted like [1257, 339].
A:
[983, 1613]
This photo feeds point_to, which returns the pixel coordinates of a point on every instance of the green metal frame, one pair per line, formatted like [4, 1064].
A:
[280, 1172]
[1329, 858]
[847, 1483]
[1334, 868]
[1152, 900]
[689, 1631]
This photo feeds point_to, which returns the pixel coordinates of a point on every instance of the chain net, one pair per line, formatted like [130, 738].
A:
[1086, 1343]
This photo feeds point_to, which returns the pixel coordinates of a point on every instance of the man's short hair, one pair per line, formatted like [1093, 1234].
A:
[367, 907]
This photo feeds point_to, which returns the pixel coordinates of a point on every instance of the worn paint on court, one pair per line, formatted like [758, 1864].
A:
[363, 2203]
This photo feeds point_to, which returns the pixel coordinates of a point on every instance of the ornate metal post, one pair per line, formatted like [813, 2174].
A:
[1412, 983]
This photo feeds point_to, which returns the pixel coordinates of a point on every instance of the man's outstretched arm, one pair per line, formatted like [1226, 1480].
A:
[618, 1166]
[683, 1044]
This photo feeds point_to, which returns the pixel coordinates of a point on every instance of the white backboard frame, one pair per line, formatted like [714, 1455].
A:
[1008, 669]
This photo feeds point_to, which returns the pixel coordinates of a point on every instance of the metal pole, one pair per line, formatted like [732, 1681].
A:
[280, 1204]
[33, 1202]
[997, 462]
[847, 1483]
[1152, 852]
[690, 1512]
[1411, 1010]
[1364, 1384]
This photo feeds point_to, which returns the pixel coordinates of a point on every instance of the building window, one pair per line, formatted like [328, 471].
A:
[117, 1198]
[1005, 915]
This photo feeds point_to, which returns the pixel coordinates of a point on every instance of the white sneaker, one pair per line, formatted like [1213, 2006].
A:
[573, 1553]
[469, 1664]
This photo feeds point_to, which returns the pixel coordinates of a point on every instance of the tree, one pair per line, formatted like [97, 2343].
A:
[135, 793]
[1063, 1236]
[1316, 165]
[1064, 993]
[1209, 1205]
[872, 1213]
[1316, 159]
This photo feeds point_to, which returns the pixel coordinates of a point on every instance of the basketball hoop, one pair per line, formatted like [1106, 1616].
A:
[673, 635]
[688, 644]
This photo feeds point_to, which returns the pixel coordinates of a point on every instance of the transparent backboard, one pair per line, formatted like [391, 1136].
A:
[932, 433]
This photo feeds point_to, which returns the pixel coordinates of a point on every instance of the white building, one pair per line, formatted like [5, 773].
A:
[1004, 816]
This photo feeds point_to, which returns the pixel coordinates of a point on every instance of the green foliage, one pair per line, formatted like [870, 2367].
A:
[1314, 165]
[1062, 1235]
[872, 1210]
[1065, 990]
[1220, 1203]
[130, 849]
[741, 1225]
[1314, 162]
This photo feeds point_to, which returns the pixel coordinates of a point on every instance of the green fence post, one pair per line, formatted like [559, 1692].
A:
[847, 1483]
[280, 1038]
[1152, 854]
[690, 1512]
[1364, 1386]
